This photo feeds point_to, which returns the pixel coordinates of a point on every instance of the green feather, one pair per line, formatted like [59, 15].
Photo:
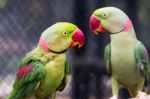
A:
[107, 57]
[142, 59]
[25, 85]
[66, 77]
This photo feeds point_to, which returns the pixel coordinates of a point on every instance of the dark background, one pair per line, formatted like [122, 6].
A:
[22, 22]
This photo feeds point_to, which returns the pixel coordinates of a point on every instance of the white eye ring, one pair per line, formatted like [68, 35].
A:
[104, 15]
[65, 33]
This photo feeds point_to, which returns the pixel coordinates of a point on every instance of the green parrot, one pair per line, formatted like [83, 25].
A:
[126, 58]
[44, 70]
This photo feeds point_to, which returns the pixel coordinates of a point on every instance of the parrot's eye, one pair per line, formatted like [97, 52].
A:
[104, 15]
[65, 33]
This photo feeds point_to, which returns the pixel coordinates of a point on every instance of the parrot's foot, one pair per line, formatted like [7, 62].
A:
[141, 95]
[114, 97]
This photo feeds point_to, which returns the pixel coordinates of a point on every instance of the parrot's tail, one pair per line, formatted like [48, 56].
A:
[14, 95]
[21, 93]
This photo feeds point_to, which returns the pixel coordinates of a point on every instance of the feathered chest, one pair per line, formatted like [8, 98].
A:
[54, 61]
[122, 49]
[54, 68]
[123, 60]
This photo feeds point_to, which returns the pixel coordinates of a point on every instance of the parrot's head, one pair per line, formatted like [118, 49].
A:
[61, 36]
[109, 19]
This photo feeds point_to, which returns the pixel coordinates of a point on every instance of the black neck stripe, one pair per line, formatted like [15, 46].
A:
[57, 52]
[117, 32]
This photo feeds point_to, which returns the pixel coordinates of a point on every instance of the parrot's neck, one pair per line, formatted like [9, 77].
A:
[44, 45]
[127, 31]
[40, 53]
[124, 38]
[128, 26]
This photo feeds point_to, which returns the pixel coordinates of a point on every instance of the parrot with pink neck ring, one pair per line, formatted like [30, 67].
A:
[126, 58]
[44, 70]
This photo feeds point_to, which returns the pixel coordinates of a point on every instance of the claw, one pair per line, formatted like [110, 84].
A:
[114, 97]
[141, 95]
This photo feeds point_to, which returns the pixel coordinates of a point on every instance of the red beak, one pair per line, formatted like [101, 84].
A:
[95, 25]
[78, 38]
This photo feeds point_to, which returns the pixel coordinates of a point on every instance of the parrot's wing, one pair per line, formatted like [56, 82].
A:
[142, 59]
[27, 79]
[66, 77]
[107, 56]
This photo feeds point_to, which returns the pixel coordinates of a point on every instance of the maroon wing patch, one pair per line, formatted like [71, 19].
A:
[22, 71]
